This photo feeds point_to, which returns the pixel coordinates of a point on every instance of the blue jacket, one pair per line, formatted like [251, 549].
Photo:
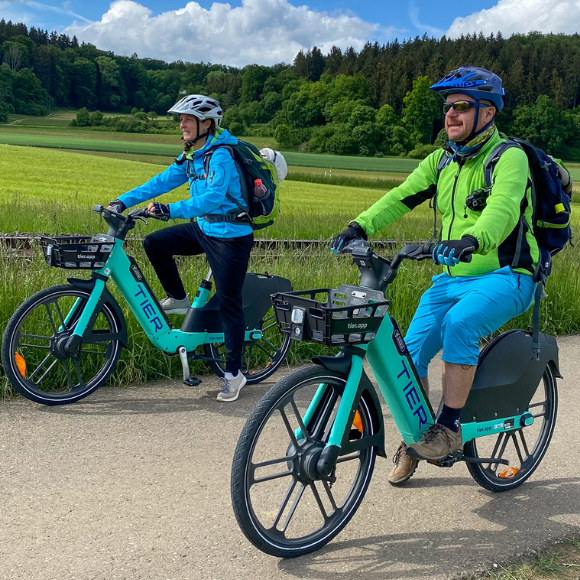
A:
[208, 196]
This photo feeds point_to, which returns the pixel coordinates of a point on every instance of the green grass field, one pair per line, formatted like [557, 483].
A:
[50, 191]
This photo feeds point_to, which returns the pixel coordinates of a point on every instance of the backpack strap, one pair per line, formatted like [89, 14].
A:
[443, 163]
[493, 158]
[241, 217]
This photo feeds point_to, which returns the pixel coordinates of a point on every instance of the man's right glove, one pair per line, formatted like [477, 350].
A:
[353, 232]
[117, 205]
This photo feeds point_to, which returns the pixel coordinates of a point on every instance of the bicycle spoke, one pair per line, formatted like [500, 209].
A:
[293, 508]
[285, 501]
[79, 377]
[329, 494]
[524, 443]
[503, 446]
[289, 429]
[47, 371]
[273, 476]
[249, 359]
[346, 458]
[102, 353]
[517, 446]
[44, 360]
[263, 349]
[299, 418]
[319, 501]
[35, 336]
[63, 325]
[273, 347]
[68, 375]
[46, 304]
[34, 346]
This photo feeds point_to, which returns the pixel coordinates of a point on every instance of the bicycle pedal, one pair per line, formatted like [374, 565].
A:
[448, 461]
[192, 381]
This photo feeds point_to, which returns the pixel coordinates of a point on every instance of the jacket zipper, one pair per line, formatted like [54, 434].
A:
[460, 165]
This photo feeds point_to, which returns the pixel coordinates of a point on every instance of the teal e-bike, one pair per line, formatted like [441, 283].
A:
[63, 342]
[306, 455]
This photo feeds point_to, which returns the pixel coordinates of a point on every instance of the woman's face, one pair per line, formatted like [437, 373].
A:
[188, 127]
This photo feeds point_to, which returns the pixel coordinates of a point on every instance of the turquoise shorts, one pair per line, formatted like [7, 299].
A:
[456, 312]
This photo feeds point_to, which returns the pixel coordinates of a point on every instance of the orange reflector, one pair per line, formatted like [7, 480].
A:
[509, 472]
[357, 422]
[268, 364]
[20, 364]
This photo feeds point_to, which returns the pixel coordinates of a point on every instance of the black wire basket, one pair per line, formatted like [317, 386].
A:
[75, 252]
[346, 315]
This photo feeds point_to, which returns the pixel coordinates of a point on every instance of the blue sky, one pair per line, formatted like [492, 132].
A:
[269, 31]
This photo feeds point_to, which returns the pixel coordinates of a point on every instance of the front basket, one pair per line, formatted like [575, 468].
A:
[346, 315]
[75, 252]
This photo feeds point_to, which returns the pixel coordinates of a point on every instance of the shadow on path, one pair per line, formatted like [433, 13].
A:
[531, 516]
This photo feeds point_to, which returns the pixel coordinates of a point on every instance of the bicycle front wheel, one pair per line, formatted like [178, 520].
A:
[33, 353]
[524, 448]
[260, 358]
[281, 504]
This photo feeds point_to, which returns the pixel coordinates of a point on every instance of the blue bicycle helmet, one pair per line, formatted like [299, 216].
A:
[476, 82]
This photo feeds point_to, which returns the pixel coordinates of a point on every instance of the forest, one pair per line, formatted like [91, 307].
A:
[372, 102]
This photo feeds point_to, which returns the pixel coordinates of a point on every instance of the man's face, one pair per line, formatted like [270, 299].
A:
[460, 125]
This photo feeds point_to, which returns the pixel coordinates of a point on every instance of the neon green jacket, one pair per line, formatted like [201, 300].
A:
[496, 228]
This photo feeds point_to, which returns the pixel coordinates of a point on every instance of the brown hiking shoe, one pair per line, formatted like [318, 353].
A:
[437, 442]
[405, 466]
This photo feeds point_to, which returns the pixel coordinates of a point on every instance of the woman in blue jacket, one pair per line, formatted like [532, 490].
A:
[222, 231]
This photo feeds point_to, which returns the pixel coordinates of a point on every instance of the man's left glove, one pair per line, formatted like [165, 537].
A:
[117, 205]
[353, 232]
[451, 252]
[161, 210]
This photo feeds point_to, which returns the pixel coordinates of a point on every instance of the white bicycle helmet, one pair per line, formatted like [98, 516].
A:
[277, 160]
[199, 106]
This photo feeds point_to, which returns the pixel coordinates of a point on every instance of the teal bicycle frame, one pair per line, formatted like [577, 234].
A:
[391, 364]
[134, 288]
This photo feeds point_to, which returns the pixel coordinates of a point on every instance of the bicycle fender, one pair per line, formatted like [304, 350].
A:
[106, 297]
[507, 376]
[256, 296]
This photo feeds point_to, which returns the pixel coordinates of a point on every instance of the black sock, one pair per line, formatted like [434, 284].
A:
[450, 418]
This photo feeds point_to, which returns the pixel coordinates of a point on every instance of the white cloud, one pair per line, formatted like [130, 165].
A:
[512, 16]
[259, 31]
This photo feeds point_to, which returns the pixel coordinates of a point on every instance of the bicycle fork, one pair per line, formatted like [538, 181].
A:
[358, 390]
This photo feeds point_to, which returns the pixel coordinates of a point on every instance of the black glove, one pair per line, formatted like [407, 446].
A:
[451, 252]
[161, 211]
[353, 232]
[117, 205]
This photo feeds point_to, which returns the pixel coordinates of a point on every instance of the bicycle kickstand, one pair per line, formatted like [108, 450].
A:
[187, 378]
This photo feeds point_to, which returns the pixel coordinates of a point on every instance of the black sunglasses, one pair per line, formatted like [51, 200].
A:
[460, 106]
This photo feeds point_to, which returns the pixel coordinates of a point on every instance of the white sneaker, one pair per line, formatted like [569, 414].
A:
[173, 306]
[231, 387]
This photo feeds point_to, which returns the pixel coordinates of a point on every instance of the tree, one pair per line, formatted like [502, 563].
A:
[82, 118]
[421, 110]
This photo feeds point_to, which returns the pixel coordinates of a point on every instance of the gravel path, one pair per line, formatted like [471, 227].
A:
[134, 484]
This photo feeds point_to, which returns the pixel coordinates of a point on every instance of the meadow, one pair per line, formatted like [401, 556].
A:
[51, 191]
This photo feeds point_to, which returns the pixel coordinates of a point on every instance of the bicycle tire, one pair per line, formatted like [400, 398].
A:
[486, 474]
[29, 315]
[271, 540]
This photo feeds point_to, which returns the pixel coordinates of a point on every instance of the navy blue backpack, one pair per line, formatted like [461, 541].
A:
[550, 202]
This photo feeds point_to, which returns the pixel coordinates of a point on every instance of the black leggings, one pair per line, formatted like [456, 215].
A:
[227, 257]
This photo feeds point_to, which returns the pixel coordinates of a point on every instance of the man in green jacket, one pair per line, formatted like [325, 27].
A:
[489, 254]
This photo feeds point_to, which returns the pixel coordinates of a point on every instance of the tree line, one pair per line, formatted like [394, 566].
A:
[369, 102]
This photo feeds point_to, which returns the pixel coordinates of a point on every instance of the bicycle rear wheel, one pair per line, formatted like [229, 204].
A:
[33, 353]
[524, 448]
[260, 358]
[281, 504]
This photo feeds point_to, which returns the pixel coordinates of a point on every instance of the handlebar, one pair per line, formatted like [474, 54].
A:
[377, 272]
[119, 224]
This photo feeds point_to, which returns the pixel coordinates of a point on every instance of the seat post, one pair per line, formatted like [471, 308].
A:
[209, 276]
